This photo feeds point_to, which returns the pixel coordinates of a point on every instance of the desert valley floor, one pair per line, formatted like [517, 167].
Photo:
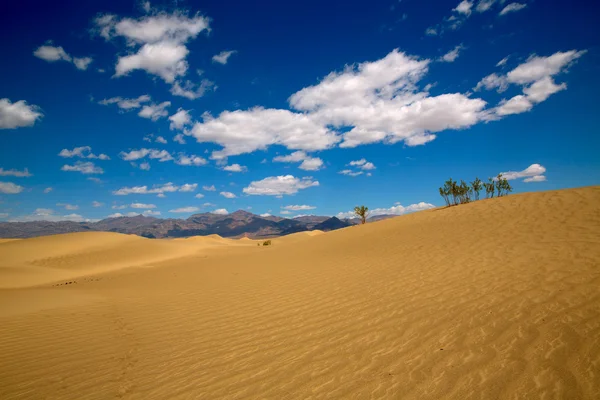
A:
[497, 299]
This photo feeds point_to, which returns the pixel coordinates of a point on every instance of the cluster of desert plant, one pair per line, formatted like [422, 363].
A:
[266, 243]
[362, 212]
[455, 193]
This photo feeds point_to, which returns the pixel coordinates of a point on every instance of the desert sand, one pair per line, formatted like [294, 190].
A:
[497, 299]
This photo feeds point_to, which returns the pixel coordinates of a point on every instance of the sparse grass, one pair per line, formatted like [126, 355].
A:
[267, 243]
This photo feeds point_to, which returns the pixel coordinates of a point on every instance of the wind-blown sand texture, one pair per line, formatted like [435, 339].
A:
[498, 299]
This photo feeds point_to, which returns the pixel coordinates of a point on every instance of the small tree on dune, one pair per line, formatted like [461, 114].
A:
[490, 187]
[445, 193]
[476, 186]
[362, 212]
[502, 186]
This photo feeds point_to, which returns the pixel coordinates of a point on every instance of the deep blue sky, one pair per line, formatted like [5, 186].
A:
[281, 48]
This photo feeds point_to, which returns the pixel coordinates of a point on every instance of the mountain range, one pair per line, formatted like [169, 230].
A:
[237, 224]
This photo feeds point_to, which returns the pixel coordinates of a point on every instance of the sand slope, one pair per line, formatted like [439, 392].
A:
[499, 299]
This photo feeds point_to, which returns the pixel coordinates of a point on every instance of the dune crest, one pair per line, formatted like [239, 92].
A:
[494, 299]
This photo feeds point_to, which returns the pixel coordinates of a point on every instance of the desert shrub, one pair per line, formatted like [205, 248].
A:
[454, 193]
[490, 188]
[502, 186]
[267, 243]
[362, 212]
[476, 187]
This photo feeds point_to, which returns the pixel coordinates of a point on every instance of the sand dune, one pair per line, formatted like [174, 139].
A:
[498, 299]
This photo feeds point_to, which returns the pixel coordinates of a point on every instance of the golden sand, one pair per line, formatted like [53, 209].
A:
[498, 299]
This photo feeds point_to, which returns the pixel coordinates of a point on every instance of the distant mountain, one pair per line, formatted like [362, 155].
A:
[237, 224]
[375, 218]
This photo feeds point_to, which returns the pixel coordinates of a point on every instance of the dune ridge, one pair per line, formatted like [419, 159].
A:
[495, 299]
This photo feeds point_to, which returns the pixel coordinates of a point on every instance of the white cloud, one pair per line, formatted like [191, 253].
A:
[191, 91]
[533, 173]
[126, 104]
[97, 204]
[299, 208]
[142, 205]
[129, 214]
[119, 207]
[155, 154]
[223, 56]
[362, 164]
[67, 206]
[185, 210]
[162, 38]
[199, 196]
[512, 7]
[308, 163]
[538, 67]
[16, 173]
[484, 5]
[47, 190]
[179, 138]
[228, 195]
[156, 189]
[87, 167]
[492, 81]
[240, 132]
[503, 62]
[285, 212]
[188, 187]
[151, 213]
[145, 166]
[542, 89]
[464, 7]
[516, 105]
[452, 55]
[18, 114]
[235, 168]
[155, 111]
[57, 53]
[220, 211]
[349, 172]
[265, 215]
[82, 152]
[10, 188]
[397, 209]
[194, 160]
[431, 31]
[178, 120]
[160, 139]
[279, 185]
[210, 188]
[82, 63]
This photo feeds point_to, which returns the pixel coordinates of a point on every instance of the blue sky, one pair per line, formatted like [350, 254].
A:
[288, 109]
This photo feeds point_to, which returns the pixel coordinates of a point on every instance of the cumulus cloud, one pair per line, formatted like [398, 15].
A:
[126, 104]
[68, 206]
[210, 188]
[82, 152]
[155, 111]
[279, 185]
[190, 160]
[484, 5]
[159, 41]
[240, 132]
[180, 119]
[155, 154]
[349, 172]
[512, 7]
[10, 188]
[86, 167]
[223, 56]
[220, 211]
[179, 138]
[188, 187]
[307, 163]
[16, 173]
[536, 76]
[185, 210]
[158, 139]
[235, 168]
[190, 90]
[464, 7]
[299, 208]
[97, 204]
[362, 164]
[156, 189]
[142, 205]
[199, 196]
[18, 114]
[397, 209]
[228, 195]
[452, 55]
[52, 53]
[48, 190]
[533, 173]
